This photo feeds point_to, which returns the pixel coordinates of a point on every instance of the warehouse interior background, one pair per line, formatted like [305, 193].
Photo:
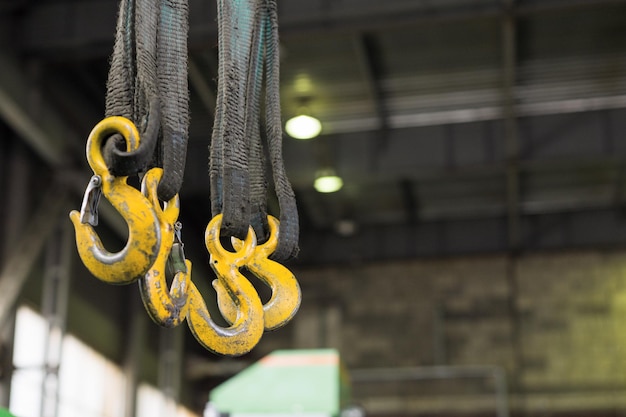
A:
[477, 247]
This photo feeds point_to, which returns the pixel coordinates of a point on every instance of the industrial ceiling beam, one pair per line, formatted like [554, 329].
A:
[74, 29]
[12, 5]
[480, 114]
[77, 108]
[589, 165]
[45, 132]
[38, 125]
[460, 236]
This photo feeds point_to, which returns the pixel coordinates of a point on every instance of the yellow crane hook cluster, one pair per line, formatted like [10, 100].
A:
[153, 243]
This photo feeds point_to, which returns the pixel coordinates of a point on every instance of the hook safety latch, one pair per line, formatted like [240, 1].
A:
[176, 259]
[91, 199]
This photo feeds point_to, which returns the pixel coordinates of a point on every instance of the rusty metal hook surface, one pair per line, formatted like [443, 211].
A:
[246, 326]
[166, 308]
[141, 249]
[286, 294]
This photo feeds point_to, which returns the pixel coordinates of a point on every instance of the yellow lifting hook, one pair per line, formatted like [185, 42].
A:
[286, 295]
[140, 252]
[247, 324]
[167, 309]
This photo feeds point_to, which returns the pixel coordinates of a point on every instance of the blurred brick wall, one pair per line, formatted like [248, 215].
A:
[556, 323]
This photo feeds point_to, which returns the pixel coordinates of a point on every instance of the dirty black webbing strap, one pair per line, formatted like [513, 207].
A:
[147, 79]
[216, 155]
[289, 226]
[174, 93]
[258, 181]
[230, 183]
[120, 83]
[248, 43]
[131, 87]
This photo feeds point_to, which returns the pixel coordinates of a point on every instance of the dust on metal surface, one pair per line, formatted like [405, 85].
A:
[144, 236]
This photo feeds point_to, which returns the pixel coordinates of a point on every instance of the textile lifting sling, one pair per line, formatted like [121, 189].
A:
[147, 87]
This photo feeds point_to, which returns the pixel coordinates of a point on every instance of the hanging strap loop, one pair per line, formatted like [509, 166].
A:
[230, 182]
[174, 92]
[122, 163]
[287, 247]
[147, 84]
[249, 55]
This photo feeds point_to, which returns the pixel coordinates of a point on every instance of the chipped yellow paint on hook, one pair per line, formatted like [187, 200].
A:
[134, 260]
[166, 308]
[247, 324]
[286, 295]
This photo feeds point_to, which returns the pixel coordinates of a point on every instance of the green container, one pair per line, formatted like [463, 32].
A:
[307, 383]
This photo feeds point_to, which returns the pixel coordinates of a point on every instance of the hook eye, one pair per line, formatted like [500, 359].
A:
[137, 158]
[106, 128]
[219, 253]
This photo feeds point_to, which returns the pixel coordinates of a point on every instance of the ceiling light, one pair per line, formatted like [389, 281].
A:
[327, 181]
[303, 127]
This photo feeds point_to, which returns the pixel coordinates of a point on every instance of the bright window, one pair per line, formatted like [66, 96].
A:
[153, 403]
[102, 396]
[28, 357]
[89, 385]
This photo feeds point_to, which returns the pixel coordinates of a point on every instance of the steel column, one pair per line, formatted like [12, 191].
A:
[369, 59]
[15, 218]
[56, 289]
[513, 197]
[16, 270]
[136, 338]
[170, 367]
[96, 39]
[510, 124]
